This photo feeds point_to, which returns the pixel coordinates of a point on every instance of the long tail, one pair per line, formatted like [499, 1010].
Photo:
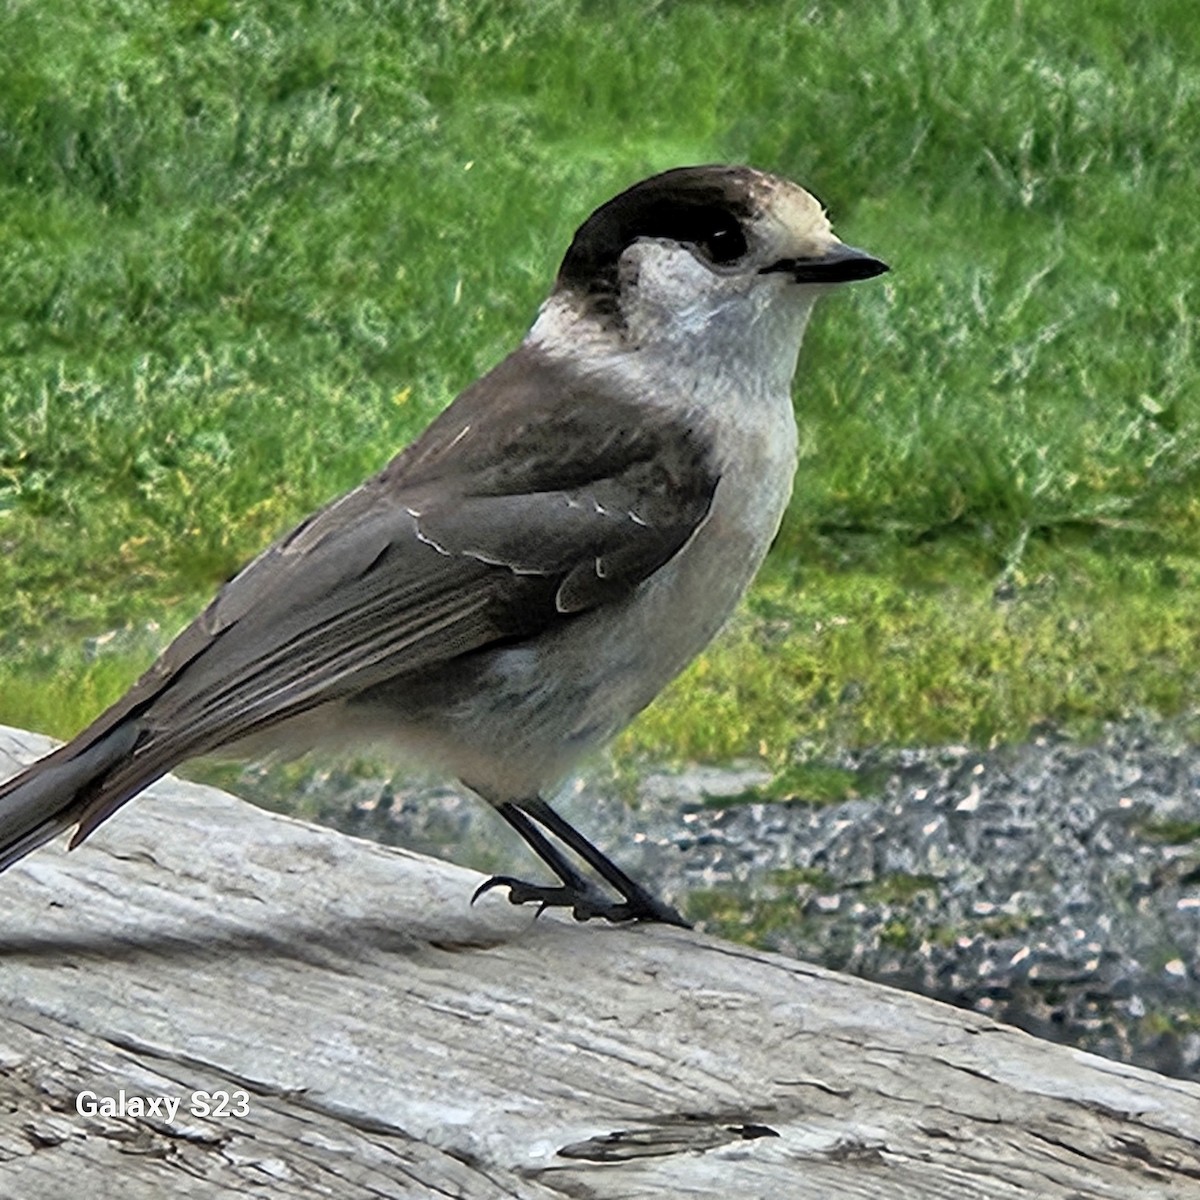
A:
[59, 790]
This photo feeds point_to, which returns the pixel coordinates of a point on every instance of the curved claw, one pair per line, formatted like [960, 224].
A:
[520, 892]
[584, 901]
[576, 891]
[488, 884]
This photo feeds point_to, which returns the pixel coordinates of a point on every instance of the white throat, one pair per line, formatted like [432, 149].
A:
[681, 333]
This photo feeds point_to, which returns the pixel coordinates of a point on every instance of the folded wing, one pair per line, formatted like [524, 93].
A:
[530, 499]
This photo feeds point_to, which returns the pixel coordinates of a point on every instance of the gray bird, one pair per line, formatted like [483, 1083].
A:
[512, 588]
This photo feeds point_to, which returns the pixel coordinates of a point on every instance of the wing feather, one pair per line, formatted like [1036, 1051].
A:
[532, 498]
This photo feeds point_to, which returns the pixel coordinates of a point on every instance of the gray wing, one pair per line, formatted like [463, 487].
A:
[532, 498]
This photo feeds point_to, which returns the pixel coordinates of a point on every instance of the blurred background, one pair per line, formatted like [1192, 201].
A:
[248, 249]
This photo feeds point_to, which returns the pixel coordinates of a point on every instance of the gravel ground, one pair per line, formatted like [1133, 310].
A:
[1055, 886]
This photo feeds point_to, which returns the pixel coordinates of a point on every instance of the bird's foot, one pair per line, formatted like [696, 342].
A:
[574, 890]
[585, 900]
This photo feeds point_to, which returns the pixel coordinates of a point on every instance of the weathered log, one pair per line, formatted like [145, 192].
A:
[392, 1041]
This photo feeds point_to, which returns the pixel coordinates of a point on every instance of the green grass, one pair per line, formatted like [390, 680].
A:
[1172, 832]
[248, 249]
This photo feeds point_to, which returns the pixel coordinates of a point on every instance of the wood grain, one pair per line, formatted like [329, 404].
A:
[396, 1042]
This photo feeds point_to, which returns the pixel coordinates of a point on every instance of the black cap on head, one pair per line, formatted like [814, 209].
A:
[704, 206]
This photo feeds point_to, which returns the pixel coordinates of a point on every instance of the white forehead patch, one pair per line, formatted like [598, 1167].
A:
[793, 220]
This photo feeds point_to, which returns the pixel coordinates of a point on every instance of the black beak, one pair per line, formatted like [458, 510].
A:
[843, 264]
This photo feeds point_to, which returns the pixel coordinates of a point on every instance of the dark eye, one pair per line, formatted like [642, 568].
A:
[724, 243]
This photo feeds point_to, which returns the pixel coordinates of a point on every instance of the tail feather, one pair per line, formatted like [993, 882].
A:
[54, 793]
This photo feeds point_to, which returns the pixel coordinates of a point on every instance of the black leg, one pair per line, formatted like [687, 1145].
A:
[577, 893]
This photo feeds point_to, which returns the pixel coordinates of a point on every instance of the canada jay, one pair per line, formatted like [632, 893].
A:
[517, 584]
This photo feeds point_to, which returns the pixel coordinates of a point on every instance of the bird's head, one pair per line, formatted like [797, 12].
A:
[726, 254]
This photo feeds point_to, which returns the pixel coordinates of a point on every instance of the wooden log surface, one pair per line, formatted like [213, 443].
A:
[392, 1041]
